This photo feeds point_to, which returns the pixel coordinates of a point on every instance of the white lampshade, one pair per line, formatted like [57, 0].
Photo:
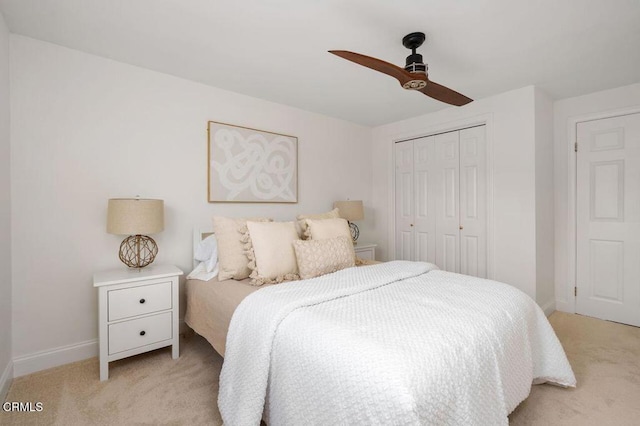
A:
[350, 210]
[135, 216]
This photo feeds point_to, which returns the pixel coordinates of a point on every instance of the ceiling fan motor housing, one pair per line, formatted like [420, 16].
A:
[414, 64]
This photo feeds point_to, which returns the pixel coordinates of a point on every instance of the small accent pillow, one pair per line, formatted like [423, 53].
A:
[232, 261]
[301, 224]
[320, 257]
[269, 247]
[327, 228]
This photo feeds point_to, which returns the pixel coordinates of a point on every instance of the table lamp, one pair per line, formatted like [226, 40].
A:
[136, 217]
[351, 210]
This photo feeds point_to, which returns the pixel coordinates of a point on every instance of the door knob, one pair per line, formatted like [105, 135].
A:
[461, 227]
[411, 225]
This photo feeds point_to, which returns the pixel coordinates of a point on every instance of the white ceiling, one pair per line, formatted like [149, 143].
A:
[277, 50]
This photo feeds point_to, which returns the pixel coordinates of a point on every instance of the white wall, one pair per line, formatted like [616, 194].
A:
[510, 121]
[5, 216]
[566, 112]
[85, 129]
[544, 201]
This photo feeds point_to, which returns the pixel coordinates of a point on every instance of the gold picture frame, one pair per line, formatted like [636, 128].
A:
[246, 165]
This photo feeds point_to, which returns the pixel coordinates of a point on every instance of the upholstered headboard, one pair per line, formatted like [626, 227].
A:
[199, 234]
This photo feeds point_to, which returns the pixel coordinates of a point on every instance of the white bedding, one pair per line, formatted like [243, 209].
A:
[394, 343]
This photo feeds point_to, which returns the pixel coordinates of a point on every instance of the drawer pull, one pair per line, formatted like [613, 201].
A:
[142, 300]
[142, 333]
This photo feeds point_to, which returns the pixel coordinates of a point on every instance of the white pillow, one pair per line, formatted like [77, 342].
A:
[270, 252]
[207, 252]
[200, 273]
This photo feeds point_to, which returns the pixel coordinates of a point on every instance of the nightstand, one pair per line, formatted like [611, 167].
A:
[138, 312]
[365, 251]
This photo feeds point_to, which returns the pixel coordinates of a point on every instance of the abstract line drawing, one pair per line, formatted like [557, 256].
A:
[251, 166]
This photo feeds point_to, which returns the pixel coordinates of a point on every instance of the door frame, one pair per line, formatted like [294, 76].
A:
[568, 295]
[452, 126]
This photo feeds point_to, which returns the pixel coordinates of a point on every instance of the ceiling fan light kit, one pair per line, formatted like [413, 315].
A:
[414, 76]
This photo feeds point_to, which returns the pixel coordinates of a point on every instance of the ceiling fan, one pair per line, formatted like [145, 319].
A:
[413, 76]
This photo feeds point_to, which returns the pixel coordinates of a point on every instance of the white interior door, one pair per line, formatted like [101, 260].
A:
[424, 213]
[447, 182]
[404, 201]
[473, 202]
[608, 219]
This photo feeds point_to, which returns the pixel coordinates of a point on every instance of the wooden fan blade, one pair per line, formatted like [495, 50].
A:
[376, 64]
[444, 94]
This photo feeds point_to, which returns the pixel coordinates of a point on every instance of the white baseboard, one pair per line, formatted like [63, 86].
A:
[38, 361]
[565, 307]
[5, 381]
[549, 307]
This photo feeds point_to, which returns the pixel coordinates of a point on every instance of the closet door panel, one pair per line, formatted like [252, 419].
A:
[441, 200]
[473, 204]
[424, 218]
[404, 203]
[449, 253]
[469, 256]
[447, 200]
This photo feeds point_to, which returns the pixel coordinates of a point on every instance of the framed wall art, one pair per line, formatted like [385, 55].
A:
[251, 166]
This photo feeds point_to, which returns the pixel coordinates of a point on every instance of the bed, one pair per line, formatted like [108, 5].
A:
[210, 306]
[393, 343]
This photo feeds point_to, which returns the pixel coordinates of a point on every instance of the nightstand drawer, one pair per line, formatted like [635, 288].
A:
[366, 252]
[139, 332]
[145, 299]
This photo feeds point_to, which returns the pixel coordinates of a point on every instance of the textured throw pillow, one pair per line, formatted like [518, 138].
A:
[320, 257]
[232, 261]
[301, 224]
[327, 228]
[270, 252]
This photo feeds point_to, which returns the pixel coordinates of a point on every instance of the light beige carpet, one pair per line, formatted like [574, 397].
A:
[154, 389]
[150, 389]
[605, 357]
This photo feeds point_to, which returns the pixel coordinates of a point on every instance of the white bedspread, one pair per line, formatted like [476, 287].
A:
[394, 343]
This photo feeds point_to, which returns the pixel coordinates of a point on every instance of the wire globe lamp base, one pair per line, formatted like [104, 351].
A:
[355, 232]
[138, 251]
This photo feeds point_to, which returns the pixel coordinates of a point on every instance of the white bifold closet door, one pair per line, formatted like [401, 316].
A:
[441, 200]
